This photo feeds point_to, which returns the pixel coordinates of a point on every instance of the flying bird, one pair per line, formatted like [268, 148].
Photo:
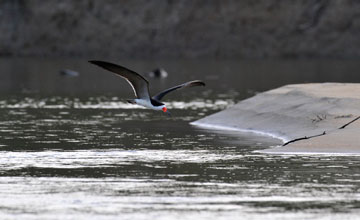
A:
[141, 86]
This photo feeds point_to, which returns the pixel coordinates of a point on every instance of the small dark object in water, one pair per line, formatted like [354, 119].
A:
[67, 72]
[158, 73]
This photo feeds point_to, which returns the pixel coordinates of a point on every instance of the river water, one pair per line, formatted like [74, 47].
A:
[72, 148]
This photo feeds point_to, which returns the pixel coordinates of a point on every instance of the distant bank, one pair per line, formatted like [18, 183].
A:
[308, 118]
[141, 29]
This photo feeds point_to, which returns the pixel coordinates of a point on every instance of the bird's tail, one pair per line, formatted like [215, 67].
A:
[131, 101]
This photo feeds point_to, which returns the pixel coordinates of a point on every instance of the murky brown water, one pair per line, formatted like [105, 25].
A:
[71, 148]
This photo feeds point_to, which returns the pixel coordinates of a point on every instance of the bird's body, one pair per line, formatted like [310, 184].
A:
[141, 86]
[148, 103]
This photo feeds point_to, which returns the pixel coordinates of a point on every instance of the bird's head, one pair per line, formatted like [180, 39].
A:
[164, 109]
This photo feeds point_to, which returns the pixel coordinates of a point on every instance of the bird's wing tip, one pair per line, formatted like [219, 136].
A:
[199, 83]
[100, 63]
[93, 61]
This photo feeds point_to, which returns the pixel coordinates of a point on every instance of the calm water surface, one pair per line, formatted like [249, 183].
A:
[71, 148]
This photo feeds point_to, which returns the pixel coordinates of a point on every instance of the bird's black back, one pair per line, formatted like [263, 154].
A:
[155, 102]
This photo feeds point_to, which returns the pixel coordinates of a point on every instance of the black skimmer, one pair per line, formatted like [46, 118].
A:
[141, 86]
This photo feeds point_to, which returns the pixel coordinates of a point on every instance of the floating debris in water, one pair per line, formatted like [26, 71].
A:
[68, 72]
[157, 73]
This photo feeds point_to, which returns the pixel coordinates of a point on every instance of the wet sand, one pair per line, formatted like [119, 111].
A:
[297, 111]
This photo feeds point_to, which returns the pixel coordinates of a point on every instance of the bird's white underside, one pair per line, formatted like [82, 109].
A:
[147, 104]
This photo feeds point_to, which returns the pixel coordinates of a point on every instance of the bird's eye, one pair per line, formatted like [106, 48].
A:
[164, 109]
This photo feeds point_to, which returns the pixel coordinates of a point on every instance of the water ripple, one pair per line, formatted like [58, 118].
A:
[105, 103]
[99, 158]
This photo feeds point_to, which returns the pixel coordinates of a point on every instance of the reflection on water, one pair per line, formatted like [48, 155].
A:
[68, 156]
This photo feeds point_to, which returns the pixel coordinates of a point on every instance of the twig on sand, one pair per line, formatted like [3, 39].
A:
[303, 138]
[342, 127]
[324, 133]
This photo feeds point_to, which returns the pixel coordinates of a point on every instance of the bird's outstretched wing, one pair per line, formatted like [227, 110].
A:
[139, 84]
[187, 84]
